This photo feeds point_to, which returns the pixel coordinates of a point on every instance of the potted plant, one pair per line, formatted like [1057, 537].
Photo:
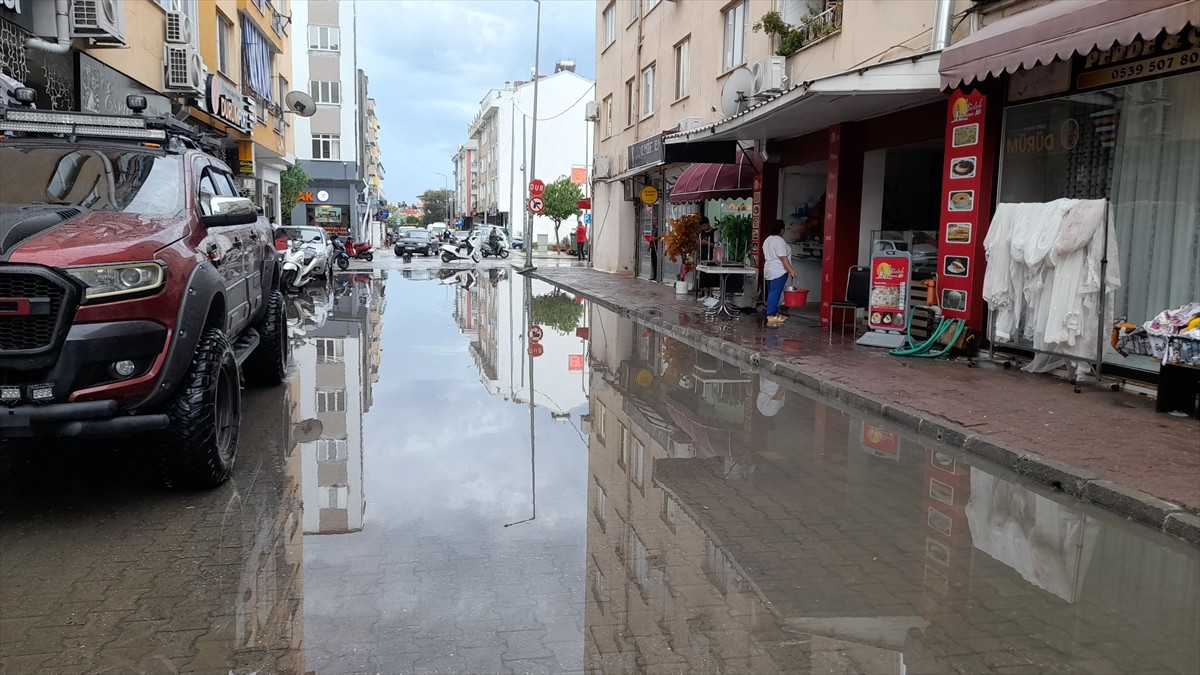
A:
[682, 241]
[735, 235]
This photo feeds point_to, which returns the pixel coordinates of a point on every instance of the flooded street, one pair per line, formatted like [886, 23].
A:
[418, 498]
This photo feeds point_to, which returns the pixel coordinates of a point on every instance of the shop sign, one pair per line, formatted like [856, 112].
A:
[648, 151]
[322, 196]
[103, 90]
[888, 306]
[246, 158]
[755, 220]
[304, 197]
[649, 195]
[964, 202]
[1141, 59]
[19, 12]
[575, 363]
[223, 101]
[329, 218]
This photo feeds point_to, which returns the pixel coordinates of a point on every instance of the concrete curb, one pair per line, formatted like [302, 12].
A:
[1142, 507]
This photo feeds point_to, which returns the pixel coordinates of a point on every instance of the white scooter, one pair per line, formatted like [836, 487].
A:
[458, 250]
[299, 266]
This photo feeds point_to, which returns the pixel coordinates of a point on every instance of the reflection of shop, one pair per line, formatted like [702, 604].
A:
[1108, 133]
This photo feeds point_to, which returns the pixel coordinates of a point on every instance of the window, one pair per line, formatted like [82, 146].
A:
[326, 91]
[326, 146]
[630, 103]
[610, 25]
[224, 38]
[601, 417]
[606, 113]
[623, 454]
[601, 509]
[207, 191]
[635, 9]
[333, 497]
[651, 4]
[681, 68]
[324, 38]
[734, 53]
[648, 90]
[331, 400]
[639, 463]
[332, 450]
[331, 350]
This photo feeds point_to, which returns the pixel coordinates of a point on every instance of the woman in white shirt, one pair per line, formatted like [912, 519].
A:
[777, 267]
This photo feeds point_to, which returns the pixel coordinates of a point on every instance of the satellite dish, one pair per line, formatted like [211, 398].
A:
[307, 431]
[735, 93]
[300, 103]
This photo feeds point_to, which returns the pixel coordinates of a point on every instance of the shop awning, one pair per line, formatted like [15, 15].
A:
[1058, 30]
[851, 96]
[700, 182]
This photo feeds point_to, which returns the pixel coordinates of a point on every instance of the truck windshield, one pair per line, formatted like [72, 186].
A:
[100, 179]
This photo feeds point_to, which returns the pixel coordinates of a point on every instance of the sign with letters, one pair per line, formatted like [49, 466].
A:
[1139, 60]
[223, 101]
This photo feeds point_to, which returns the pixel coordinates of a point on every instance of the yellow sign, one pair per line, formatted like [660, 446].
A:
[649, 195]
[246, 158]
[645, 377]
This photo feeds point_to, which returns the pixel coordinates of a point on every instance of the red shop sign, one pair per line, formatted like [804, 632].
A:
[888, 307]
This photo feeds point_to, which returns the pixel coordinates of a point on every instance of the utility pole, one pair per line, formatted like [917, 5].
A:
[537, 53]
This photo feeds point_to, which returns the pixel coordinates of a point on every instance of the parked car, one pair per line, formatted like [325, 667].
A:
[415, 240]
[138, 286]
[315, 240]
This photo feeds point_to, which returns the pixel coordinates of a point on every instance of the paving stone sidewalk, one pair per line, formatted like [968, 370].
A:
[1110, 448]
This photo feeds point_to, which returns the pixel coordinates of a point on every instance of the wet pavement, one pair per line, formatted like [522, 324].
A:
[417, 498]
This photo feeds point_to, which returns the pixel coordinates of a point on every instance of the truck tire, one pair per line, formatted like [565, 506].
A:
[267, 364]
[199, 446]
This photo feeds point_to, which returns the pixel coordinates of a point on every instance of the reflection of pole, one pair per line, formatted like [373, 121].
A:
[532, 437]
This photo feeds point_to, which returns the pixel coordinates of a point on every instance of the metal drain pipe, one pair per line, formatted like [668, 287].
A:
[942, 13]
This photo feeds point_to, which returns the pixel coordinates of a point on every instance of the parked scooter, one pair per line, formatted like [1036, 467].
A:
[299, 266]
[361, 251]
[458, 251]
[498, 250]
[339, 254]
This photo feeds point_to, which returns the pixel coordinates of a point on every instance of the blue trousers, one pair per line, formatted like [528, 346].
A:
[774, 292]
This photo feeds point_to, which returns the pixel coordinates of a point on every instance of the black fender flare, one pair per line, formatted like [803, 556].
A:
[203, 286]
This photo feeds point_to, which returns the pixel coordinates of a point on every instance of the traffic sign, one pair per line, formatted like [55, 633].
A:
[535, 333]
[537, 187]
[649, 195]
[536, 349]
[536, 204]
[587, 219]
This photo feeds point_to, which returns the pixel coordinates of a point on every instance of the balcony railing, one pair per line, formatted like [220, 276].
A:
[810, 30]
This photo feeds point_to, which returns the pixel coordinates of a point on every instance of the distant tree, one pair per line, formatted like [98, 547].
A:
[437, 206]
[557, 310]
[292, 181]
[412, 220]
[562, 202]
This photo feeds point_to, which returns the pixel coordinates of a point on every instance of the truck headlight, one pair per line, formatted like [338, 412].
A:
[109, 281]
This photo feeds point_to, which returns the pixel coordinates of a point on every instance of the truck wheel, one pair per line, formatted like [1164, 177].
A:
[267, 364]
[199, 446]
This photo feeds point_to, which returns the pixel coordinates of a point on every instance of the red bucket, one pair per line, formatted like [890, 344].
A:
[796, 298]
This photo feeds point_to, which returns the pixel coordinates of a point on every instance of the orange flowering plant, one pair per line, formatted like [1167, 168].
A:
[683, 239]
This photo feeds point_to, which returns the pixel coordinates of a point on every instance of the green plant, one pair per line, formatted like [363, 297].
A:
[735, 234]
[562, 201]
[292, 182]
[437, 206]
[411, 220]
[557, 310]
[792, 38]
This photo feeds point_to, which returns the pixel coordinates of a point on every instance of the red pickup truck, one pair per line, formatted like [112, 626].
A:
[138, 289]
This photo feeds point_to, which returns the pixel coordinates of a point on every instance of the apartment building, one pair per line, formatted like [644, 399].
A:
[331, 146]
[492, 166]
[222, 65]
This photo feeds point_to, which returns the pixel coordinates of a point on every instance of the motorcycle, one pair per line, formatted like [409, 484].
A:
[299, 266]
[457, 251]
[498, 250]
[361, 251]
[340, 255]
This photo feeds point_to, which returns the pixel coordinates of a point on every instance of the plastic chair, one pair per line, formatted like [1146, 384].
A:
[858, 292]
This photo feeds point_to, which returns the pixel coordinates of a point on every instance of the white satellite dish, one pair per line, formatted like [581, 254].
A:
[735, 93]
[300, 103]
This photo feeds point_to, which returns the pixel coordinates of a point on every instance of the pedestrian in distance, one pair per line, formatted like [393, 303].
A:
[580, 239]
[777, 268]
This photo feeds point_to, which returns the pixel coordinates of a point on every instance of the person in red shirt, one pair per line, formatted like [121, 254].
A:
[580, 239]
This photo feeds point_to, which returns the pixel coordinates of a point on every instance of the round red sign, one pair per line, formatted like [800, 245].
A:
[536, 187]
[536, 349]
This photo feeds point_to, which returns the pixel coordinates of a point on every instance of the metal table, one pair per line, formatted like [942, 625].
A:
[723, 271]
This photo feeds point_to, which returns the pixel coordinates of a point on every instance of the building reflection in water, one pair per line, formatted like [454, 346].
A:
[738, 525]
[336, 350]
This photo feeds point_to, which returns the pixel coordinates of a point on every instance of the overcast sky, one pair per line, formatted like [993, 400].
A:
[430, 62]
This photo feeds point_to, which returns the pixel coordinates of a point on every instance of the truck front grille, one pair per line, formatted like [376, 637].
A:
[31, 307]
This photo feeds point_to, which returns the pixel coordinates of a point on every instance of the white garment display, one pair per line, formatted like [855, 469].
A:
[1043, 277]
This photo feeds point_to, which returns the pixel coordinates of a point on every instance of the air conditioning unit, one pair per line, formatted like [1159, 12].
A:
[770, 76]
[591, 112]
[183, 71]
[601, 166]
[179, 28]
[689, 123]
[100, 20]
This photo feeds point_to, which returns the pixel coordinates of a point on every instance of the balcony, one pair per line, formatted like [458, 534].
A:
[810, 30]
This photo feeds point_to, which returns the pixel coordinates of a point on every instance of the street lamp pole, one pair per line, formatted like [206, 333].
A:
[537, 53]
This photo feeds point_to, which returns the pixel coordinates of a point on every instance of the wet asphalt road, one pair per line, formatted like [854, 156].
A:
[671, 512]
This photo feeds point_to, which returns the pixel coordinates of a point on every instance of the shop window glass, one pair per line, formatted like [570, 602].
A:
[1137, 146]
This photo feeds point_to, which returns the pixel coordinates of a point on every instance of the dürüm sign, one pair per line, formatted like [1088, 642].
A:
[223, 101]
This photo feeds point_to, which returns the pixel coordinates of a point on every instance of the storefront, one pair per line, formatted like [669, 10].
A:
[1094, 155]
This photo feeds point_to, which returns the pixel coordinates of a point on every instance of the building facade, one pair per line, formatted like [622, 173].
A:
[333, 145]
[223, 66]
[466, 179]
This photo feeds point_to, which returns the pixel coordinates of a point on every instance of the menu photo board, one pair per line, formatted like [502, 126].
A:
[962, 202]
[887, 308]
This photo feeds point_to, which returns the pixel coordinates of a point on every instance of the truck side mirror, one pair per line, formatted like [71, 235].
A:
[230, 211]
